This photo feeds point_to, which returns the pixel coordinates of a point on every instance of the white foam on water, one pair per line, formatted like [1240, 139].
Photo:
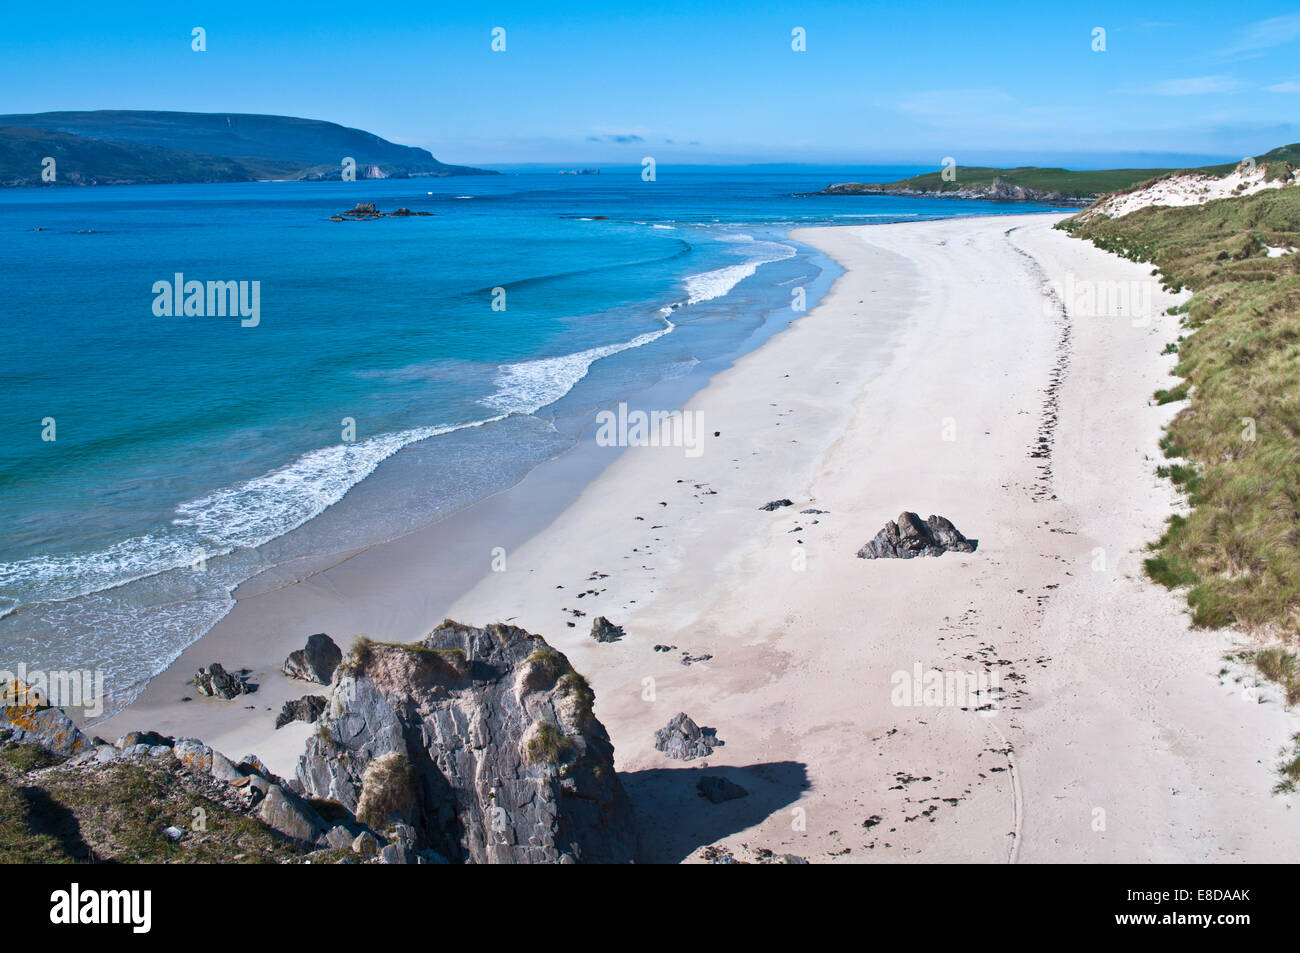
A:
[528, 386]
[245, 514]
[257, 511]
[716, 283]
[69, 575]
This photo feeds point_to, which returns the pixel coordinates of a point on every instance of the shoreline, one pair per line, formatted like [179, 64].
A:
[453, 548]
[1110, 702]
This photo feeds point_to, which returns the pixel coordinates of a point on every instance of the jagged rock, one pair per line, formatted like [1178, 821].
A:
[718, 789]
[26, 719]
[366, 844]
[909, 537]
[339, 837]
[224, 770]
[683, 739]
[776, 505]
[289, 814]
[150, 738]
[194, 754]
[507, 763]
[602, 630]
[308, 709]
[215, 681]
[316, 662]
[252, 764]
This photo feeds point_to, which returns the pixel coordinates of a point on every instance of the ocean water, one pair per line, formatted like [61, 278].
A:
[191, 452]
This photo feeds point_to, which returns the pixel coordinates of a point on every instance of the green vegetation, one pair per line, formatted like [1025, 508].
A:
[1071, 185]
[1064, 184]
[546, 744]
[577, 689]
[1289, 769]
[1235, 448]
[110, 146]
[387, 790]
[116, 813]
[364, 650]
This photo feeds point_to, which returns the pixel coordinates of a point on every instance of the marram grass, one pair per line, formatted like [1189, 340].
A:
[1234, 448]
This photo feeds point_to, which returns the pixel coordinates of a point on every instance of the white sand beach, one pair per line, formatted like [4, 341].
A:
[923, 381]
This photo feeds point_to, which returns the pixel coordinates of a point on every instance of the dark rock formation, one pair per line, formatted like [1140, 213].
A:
[494, 755]
[683, 739]
[215, 681]
[602, 630]
[718, 789]
[308, 709]
[316, 662]
[911, 537]
[776, 505]
[151, 739]
[367, 210]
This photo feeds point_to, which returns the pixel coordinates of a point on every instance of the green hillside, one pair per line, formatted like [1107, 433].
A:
[116, 146]
[1030, 183]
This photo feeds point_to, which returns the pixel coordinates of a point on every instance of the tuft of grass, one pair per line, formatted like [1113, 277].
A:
[1289, 769]
[546, 744]
[577, 689]
[1278, 665]
[1173, 394]
[387, 790]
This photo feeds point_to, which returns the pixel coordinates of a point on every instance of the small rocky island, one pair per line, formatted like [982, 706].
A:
[366, 211]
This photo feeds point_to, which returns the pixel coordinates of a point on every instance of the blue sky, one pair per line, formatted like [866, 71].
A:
[693, 81]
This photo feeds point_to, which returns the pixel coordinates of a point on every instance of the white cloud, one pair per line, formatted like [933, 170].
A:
[1264, 34]
[1291, 86]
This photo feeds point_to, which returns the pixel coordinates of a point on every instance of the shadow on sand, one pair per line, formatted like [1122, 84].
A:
[676, 819]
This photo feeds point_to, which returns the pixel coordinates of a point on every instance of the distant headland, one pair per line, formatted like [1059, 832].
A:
[133, 147]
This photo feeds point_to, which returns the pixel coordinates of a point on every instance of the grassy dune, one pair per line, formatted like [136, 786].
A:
[1234, 449]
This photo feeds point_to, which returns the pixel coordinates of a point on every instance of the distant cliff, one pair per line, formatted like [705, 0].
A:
[135, 147]
[1027, 184]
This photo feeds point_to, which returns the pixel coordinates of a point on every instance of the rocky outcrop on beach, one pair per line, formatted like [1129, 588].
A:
[309, 708]
[316, 662]
[479, 744]
[684, 740]
[602, 630]
[776, 505]
[911, 536]
[215, 682]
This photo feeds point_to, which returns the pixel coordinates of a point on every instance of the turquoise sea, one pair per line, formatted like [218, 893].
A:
[191, 452]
